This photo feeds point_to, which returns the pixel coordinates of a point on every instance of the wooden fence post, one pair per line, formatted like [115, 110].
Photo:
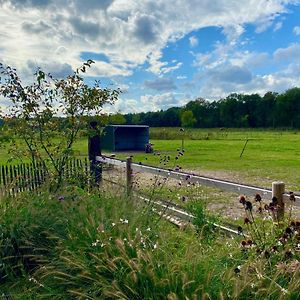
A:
[128, 176]
[278, 191]
[94, 149]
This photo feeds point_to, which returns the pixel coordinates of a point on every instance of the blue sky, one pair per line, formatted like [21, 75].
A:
[160, 53]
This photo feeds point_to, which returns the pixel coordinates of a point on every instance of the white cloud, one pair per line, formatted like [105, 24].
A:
[160, 84]
[278, 26]
[217, 85]
[169, 69]
[123, 87]
[129, 32]
[264, 24]
[162, 101]
[201, 60]
[54, 33]
[193, 41]
[233, 32]
[149, 103]
[228, 71]
[231, 75]
[124, 105]
[289, 53]
[297, 30]
[249, 59]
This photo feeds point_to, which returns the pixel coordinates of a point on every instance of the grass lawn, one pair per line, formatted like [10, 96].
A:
[269, 155]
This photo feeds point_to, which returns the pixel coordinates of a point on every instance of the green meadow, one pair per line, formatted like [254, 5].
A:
[81, 242]
[268, 156]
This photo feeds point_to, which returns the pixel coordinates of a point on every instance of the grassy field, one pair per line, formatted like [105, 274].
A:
[269, 155]
[100, 244]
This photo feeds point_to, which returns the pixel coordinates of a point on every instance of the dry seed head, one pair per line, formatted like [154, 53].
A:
[247, 221]
[257, 198]
[248, 205]
[292, 197]
[242, 199]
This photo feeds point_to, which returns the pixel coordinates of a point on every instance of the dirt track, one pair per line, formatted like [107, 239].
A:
[220, 203]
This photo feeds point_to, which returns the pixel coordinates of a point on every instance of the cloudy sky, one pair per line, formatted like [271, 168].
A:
[161, 53]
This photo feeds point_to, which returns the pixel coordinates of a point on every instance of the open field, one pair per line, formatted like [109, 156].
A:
[269, 155]
[104, 245]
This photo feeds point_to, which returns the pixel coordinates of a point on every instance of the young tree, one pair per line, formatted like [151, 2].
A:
[117, 119]
[188, 119]
[37, 110]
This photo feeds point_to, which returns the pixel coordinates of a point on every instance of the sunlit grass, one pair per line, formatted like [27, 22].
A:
[80, 245]
[269, 155]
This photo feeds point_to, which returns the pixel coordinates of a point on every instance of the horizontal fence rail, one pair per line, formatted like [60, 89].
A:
[176, 214]
[181, 216]
[203, 180]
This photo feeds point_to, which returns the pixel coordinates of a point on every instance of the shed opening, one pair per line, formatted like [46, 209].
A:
[125, 137]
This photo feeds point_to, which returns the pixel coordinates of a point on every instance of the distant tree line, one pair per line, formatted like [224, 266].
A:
[236, 111]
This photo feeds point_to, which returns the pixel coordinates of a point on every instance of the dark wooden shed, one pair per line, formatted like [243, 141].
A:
[125, 137]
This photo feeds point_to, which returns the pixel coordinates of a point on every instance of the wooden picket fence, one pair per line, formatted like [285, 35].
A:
[29, 177]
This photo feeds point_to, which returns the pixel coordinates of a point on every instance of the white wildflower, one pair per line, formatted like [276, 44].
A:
[284, 291]
[148, 229]
[95, 243]
[113, 224]
[31, 279]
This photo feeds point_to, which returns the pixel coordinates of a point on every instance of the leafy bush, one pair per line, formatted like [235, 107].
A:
[35, 114]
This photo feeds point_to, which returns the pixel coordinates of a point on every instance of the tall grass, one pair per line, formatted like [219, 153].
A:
[100, 245]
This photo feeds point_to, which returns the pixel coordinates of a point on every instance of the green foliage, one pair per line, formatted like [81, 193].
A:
[75, 245]
[35, 110]
[203, 221]
[270, 249]
[234, 111]
[187, 119]
[288, 108]
[117, 119]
